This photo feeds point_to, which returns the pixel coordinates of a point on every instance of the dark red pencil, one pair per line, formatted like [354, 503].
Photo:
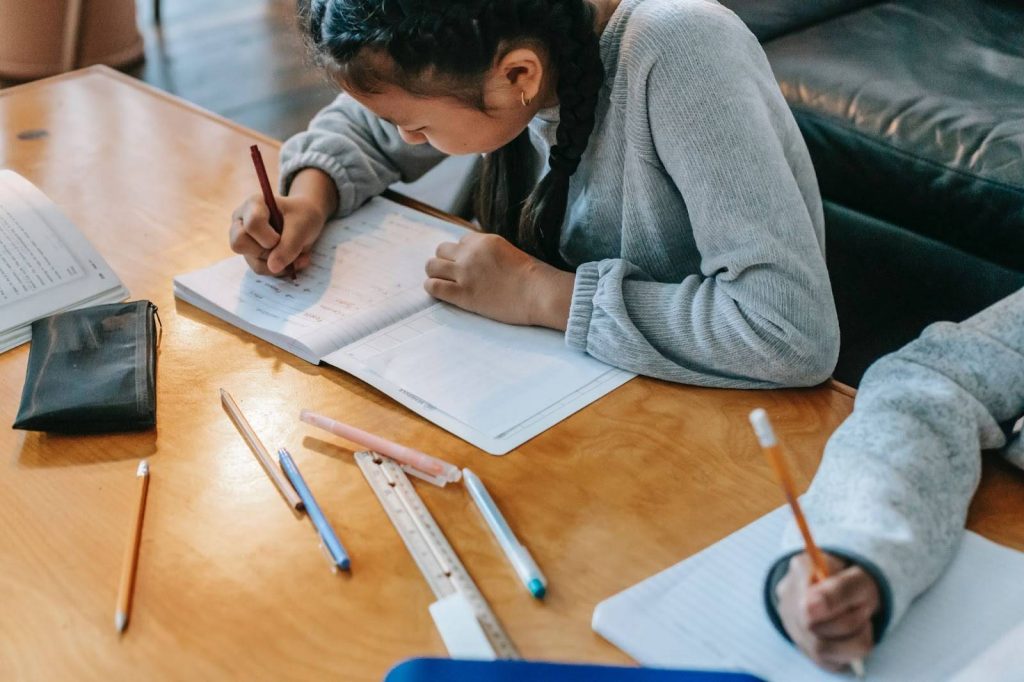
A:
[276, 219]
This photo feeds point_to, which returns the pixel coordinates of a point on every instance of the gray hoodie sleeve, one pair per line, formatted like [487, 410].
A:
[361, 153]
[898, 475]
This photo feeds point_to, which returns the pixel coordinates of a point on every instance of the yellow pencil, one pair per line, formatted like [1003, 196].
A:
[770, 445]
[131, 554]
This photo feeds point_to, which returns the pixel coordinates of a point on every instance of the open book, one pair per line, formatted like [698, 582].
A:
[46, 264]
[360, 306]
[708, 612]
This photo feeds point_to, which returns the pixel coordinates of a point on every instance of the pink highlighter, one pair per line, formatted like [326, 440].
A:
[413, 462]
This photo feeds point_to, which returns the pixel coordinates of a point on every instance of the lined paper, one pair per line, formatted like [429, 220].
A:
[497, 384]
[361, 307]
[366, 271]
[708, 612]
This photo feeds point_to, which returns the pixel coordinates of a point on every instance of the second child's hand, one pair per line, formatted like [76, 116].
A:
[487, 275]
[831, 620]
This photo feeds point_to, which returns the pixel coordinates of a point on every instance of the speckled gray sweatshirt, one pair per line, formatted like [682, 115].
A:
[694, 220]
[898, 475]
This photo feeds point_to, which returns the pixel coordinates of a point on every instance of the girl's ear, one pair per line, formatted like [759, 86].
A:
[521, 72]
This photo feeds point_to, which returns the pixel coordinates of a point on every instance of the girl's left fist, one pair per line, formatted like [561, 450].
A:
[485, 274]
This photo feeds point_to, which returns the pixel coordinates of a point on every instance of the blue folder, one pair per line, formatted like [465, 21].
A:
[448, 670]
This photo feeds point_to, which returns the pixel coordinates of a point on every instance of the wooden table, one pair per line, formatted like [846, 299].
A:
[230, 583]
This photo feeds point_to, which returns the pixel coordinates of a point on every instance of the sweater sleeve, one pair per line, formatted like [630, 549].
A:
[760, 313]
[359, 151]
[897, 476]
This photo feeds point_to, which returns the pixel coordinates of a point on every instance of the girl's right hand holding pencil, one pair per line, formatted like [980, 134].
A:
[831, 620]
[311, 201]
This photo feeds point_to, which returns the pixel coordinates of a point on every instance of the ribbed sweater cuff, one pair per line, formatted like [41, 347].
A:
[582, 307]
[880, 621]
[327, 164]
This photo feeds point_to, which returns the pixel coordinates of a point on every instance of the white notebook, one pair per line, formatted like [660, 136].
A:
[46, 264]
[360, 306]
[708, 612]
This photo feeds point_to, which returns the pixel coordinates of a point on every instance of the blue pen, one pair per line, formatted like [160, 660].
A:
[336, 553]
[523, 564]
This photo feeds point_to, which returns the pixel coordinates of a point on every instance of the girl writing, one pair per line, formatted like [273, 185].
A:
[644, 188]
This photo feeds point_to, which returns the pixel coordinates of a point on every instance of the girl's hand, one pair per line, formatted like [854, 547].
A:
[266, 251]
[485, 274]
[830, 621]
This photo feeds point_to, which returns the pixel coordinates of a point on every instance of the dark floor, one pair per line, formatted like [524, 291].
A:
[243, 59]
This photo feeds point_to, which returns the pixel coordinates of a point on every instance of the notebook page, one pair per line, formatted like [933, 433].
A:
[366, 271]
[494, 385]
[709, 611]
[46, 264]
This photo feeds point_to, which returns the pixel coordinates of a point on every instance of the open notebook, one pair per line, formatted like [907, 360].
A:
[360, 306]
[708, 612]
[46, 264]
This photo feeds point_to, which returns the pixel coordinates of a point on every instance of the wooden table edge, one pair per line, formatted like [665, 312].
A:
[113, 74]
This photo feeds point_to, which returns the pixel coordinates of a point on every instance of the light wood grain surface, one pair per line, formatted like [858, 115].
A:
[230, 584]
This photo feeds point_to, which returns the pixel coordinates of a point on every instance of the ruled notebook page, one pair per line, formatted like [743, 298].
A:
[366, 272]
[493, 384]
[708, 612]
[361, 307]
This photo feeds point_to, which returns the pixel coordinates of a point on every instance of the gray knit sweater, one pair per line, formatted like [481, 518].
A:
[694, 219]
[898, 475]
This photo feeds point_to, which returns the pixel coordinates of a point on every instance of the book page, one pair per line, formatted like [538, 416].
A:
[366, 271]
[495, 385]
[708, 611]
[32, 258]
[46, 264]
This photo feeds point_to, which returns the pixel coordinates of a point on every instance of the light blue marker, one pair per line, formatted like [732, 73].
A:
[337, 554]
[524, 565]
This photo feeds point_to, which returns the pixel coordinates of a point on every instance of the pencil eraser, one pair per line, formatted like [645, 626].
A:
[460, 630]
[762, 427]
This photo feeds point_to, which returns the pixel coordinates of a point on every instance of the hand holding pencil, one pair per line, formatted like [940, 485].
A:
[275, 234]
[830, 620]
[825, 604]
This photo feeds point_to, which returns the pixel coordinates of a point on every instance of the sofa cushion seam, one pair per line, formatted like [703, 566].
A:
[807, 113]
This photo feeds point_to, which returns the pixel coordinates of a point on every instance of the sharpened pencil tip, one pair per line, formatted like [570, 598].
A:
[120, 621]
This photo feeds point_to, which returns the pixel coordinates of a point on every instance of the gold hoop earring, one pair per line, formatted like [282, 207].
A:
[522, 98]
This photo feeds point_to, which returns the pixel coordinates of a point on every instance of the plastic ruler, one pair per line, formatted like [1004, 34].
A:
[429, 548]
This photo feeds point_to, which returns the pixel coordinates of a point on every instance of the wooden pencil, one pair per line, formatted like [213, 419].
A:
[260, 452]
[131, 554]
[276, 217]
[770, 445]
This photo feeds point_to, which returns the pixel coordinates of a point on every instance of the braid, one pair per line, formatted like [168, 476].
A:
[457, 41]
[580, 74]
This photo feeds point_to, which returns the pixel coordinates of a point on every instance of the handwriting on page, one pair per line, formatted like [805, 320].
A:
[365, 272]
[31, 261]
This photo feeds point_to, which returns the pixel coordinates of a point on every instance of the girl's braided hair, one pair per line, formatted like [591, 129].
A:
[446, 47]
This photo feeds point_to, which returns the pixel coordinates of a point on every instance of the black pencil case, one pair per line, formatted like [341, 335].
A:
[92, 370]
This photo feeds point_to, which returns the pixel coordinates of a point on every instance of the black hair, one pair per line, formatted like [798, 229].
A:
[432, 47]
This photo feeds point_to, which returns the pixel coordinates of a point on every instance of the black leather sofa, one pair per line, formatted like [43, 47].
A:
[913, 112]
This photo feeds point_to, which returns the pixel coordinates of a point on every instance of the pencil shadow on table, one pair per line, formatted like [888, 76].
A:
[37, 450]
[322, 447]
